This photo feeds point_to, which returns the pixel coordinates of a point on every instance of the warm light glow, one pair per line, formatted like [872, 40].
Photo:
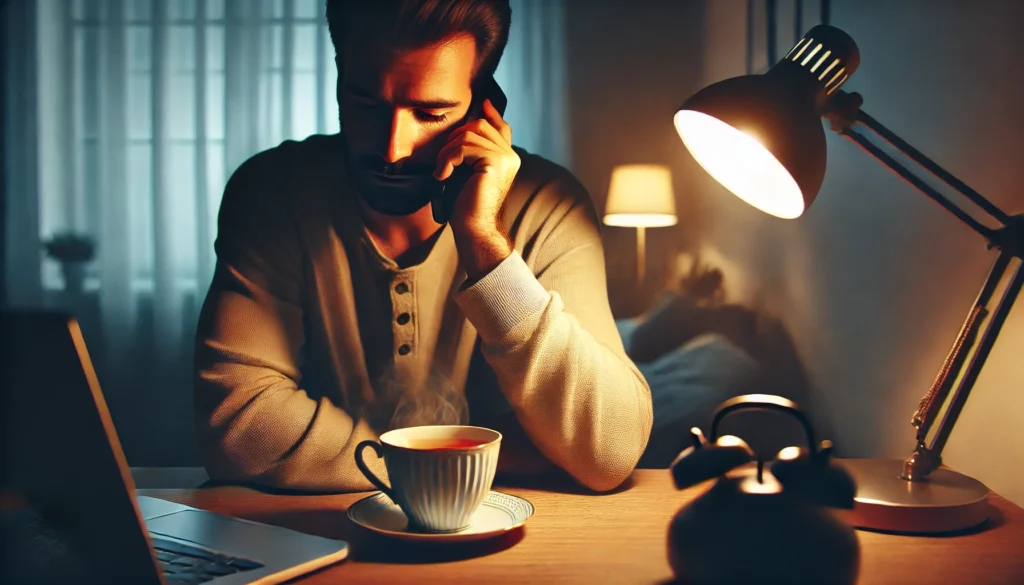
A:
[768, 484]
[836, 76]
[639, 220]
[740, 163]
[795, 47]
[797, 56]
[730, 441]
[640, 196]
[788, 454]
[841, 81]
[811, 54]
[827, 69]
[820, 61]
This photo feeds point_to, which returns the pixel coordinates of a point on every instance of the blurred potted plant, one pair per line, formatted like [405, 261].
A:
[73, 252]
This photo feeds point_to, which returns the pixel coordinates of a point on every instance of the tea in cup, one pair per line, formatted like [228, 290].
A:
[439, 474]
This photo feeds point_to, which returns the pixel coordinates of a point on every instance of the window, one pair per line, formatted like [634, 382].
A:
[160, 100]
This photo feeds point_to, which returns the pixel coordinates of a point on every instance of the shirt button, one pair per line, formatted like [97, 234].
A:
[404, 350]
[401, 288]
[403, 318]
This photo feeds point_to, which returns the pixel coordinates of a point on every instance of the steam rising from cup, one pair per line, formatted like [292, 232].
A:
[434, 401]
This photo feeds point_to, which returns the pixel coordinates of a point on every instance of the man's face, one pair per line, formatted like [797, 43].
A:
[399, 107]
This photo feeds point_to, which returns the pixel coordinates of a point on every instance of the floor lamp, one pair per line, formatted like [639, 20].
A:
[761, 137]
[640, 196]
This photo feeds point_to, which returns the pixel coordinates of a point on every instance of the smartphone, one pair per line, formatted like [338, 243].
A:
[443, 204]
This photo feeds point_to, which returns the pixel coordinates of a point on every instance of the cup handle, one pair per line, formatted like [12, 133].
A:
[366, 470]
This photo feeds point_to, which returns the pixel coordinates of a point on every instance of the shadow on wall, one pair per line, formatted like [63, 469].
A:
[696, 350]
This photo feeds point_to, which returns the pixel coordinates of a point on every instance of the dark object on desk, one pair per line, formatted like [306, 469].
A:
[68, 494]
[758, 525]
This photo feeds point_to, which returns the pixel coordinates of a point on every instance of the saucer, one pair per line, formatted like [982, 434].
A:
[496, 515]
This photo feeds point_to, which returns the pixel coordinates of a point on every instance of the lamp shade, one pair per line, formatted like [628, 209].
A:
[761, 136]
[640, 196]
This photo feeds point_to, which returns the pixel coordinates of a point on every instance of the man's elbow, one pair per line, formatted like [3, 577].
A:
[606, 469]
[227, 464]
[600, 478]
[230, 447]
[605, 472]
[222, 461]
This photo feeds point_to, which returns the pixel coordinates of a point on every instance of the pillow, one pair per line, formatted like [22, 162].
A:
[626, 328]
[687, 384]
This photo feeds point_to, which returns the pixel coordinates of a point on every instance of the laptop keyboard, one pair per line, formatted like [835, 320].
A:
[42, 552]
[182, 563]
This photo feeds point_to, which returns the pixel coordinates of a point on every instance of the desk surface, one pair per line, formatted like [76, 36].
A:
[611, 538]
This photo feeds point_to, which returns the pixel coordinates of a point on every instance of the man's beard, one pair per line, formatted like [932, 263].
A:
[400, 188]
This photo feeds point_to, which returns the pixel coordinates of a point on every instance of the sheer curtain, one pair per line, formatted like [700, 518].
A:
[127, 119]
[145, 108]
[533, 75]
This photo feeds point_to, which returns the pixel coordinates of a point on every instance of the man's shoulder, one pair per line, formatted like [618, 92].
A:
[545, 183]
[315, 155]
[290, 173]
[548, 212]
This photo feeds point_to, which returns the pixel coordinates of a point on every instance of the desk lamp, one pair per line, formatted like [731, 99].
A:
[761, 137]
[640, 196]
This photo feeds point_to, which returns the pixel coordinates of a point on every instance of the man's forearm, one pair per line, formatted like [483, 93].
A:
[254, 423]
[586, 408]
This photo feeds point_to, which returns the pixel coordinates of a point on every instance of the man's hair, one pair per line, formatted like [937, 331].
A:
[409, 24]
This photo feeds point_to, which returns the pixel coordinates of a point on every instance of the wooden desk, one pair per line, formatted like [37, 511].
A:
[613, 538]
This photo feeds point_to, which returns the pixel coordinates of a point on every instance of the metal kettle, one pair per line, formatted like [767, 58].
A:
[762, 525]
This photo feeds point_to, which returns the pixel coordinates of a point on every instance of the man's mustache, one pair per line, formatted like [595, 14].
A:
[377, 164]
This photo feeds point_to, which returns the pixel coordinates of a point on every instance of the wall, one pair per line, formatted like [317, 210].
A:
[875, 280]
[630, 65]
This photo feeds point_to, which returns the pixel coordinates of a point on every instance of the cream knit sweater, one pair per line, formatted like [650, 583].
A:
[311, 341]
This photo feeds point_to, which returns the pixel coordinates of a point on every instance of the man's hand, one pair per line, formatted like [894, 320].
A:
[486, 145]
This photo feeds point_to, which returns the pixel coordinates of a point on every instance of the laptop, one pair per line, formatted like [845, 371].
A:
[70, 513]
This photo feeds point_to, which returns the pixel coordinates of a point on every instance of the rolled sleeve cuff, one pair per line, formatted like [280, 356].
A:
[503, 298]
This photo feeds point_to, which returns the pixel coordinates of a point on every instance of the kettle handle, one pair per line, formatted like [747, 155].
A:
[763, 401]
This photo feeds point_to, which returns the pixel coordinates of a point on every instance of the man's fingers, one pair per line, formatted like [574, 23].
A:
[484, 129]
[493, 116]
[466, 150]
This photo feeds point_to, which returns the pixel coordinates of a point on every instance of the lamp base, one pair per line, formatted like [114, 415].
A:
[945, 501]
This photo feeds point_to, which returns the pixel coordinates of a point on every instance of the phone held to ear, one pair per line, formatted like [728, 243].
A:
[444, 203]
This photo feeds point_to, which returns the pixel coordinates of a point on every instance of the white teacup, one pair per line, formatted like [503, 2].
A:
[439, 474]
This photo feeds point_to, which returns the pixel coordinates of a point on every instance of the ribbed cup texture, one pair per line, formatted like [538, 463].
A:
[440, 490]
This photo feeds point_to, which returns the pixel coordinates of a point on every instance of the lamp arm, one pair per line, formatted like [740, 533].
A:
[985, 343]
[844, 113]
[915, 181]
[932, 167]
[927, 457]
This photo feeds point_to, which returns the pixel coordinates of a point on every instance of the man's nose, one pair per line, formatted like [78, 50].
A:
[401, 136]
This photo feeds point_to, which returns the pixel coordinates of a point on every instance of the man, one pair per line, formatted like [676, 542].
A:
[340, 308]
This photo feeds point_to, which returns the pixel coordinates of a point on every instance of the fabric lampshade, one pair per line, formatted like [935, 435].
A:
[640, 196]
